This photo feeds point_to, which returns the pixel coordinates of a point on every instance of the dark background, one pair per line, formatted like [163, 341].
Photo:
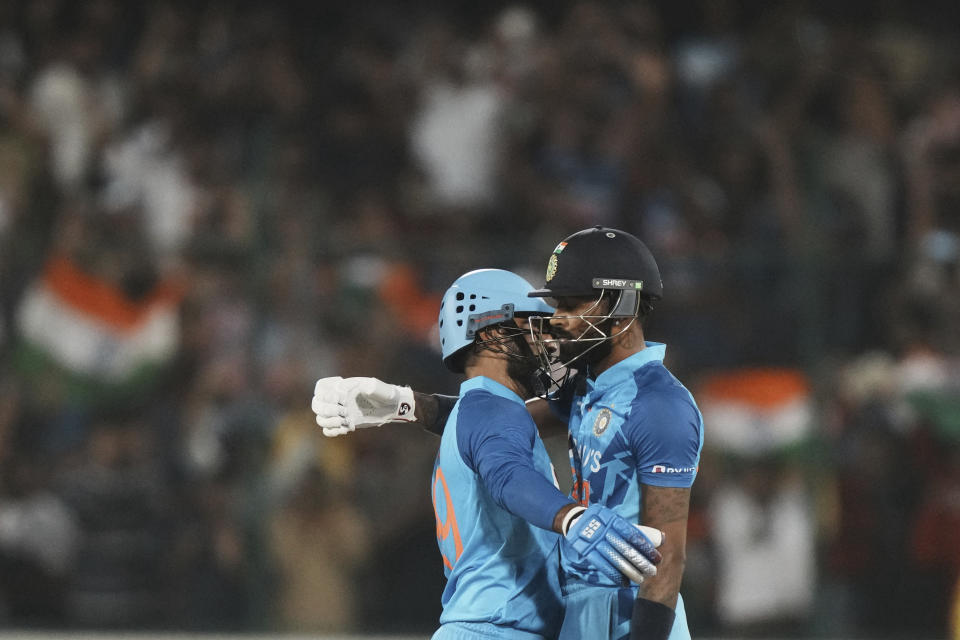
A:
[309, 177]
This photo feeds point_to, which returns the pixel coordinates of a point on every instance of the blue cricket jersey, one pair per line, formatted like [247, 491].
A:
[635, 423]
[492, 467]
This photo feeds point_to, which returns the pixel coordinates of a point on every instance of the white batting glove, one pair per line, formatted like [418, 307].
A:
[343, 405]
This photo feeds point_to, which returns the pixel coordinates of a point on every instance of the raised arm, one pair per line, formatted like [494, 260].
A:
[343, 405]
[432, 410]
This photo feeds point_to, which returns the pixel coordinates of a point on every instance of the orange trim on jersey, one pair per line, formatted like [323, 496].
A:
[450, 524]
[580, 491]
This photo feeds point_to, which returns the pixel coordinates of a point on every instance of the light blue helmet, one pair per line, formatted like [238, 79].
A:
[479, 299]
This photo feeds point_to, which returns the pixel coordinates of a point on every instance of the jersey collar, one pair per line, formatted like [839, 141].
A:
[624, 369]
[488, 384]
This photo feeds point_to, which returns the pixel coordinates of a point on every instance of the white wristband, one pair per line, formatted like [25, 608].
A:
[569, 517]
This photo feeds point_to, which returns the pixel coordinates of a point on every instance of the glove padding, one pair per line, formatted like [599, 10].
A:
[343, 405]
[602, 540]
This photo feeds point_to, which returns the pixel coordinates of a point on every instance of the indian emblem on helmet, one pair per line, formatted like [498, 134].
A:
[551, 267]
[602, 422]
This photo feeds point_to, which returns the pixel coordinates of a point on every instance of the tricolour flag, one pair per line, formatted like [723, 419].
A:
[100, 341]
[756, 410]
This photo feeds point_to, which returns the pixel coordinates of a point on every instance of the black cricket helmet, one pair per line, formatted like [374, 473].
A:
[597, 259]
[596, 263]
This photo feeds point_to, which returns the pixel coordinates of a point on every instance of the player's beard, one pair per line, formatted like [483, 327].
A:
[523, 367]
[585, 350]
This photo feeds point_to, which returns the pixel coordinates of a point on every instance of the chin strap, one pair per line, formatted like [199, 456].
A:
[540, 383]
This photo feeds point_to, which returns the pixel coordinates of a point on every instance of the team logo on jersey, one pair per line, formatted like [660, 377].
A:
[602, 422]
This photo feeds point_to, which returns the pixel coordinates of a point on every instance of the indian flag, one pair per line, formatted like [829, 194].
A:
[100, 341]
[756, 410]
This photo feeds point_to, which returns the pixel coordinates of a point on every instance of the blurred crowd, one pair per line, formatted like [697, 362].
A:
[206, 206]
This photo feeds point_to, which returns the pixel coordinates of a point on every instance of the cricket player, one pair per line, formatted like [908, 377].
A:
[635, 431]
[497, 506]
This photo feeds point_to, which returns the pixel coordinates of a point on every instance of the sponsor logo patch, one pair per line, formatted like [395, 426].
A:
[662, 468]
[617, 283]
[592, 527]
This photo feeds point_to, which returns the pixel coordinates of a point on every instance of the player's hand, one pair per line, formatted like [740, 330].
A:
[329, 404]
[601, 540]
[343, 405]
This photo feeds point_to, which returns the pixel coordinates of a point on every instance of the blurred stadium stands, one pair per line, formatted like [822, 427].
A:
[205, 206]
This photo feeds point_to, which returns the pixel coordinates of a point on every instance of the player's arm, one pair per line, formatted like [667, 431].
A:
[664, 508]
[667, 509]
[432, 410]
[343, 405]
[669, 435]
[548, 422]
[497, 442]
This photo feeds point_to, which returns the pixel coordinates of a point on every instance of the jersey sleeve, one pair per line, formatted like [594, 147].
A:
[664, 430]
[496, 439]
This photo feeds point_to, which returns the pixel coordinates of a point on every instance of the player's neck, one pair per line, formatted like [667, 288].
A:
[492, 366]
[624, 345]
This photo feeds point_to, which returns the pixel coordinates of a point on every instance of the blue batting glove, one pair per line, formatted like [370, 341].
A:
[598, 539]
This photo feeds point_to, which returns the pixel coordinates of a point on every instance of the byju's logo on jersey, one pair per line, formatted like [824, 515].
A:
[602, 422]
[662, 468]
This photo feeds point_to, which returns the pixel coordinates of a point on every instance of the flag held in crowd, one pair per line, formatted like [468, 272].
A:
[755, 411]
[100, 340]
